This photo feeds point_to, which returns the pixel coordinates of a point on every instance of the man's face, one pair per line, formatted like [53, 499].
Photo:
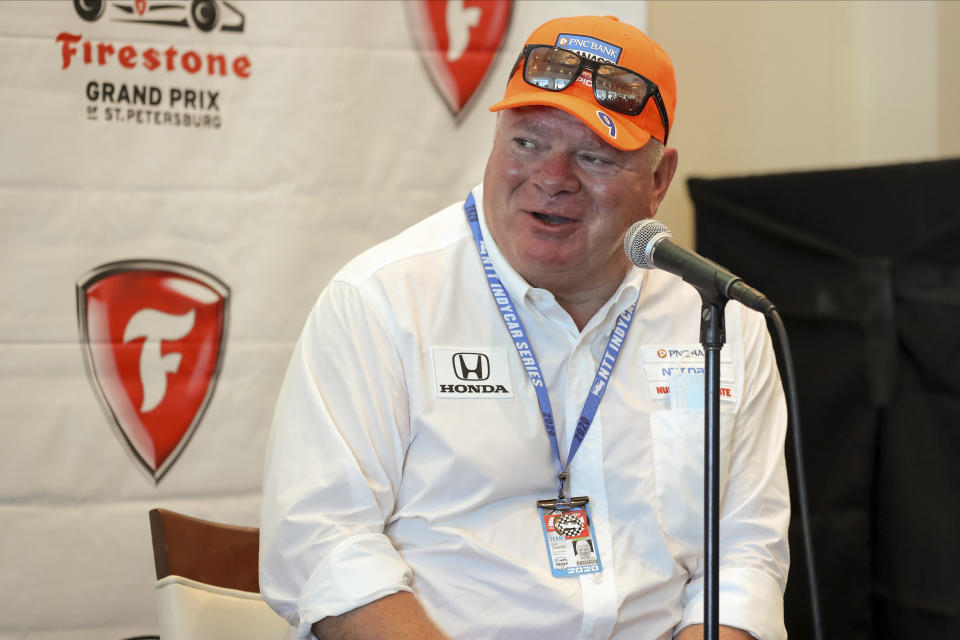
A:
[558, 199]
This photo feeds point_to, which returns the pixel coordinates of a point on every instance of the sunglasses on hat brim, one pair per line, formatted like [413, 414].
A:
[616, 88]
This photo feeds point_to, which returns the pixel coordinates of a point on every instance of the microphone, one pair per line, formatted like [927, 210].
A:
[649, 245]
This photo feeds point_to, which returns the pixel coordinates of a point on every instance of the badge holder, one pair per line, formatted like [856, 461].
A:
[568, 533]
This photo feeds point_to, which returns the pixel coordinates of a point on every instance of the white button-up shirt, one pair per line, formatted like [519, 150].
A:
[388, 471]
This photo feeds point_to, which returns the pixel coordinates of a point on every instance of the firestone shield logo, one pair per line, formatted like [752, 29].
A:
[152, 334]
[458, 40]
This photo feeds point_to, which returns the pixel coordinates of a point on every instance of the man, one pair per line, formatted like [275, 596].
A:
[433, 455]
[583, 551]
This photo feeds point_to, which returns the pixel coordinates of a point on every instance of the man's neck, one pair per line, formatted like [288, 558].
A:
[581, 302]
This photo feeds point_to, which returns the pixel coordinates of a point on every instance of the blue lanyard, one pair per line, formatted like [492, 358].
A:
[529, 359]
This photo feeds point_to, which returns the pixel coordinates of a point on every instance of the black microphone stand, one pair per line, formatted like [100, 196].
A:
[712, 336]
[717, 286]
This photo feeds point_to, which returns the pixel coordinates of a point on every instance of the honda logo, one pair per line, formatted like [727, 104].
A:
[471, 366]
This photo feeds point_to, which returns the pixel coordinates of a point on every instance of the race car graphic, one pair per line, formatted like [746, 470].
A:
[204, 15]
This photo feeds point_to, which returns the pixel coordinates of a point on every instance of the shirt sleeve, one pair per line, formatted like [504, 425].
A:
[755, 513]
[333, 466]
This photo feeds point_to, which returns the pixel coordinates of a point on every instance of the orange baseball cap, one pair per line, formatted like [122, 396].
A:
[604, 39]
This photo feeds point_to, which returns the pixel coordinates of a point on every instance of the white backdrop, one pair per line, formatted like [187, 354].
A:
[332, 137]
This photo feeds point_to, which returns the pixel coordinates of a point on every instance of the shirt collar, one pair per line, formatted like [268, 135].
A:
[626, 294]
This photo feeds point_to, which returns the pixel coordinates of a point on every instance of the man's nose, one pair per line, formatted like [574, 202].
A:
[556, 174]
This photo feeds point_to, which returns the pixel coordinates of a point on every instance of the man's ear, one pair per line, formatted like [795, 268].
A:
[663, 176]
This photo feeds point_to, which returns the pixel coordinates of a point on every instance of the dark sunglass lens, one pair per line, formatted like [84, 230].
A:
[620, 90]
[551, 68]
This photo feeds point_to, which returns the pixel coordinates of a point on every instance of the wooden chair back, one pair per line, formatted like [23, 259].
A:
[210, 552]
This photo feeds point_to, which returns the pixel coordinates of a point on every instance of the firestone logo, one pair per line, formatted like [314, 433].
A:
[121, 101]
[73, 45]
[205, 15]
[458, 40]
[152, 334]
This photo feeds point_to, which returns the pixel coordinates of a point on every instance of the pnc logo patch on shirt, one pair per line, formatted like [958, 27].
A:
[471, 372]
[669, 367]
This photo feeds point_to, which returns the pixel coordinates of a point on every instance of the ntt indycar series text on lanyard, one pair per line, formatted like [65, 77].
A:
[566, 523]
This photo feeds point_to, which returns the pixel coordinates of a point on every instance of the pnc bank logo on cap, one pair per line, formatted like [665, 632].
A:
[592, 48]
[603, 39]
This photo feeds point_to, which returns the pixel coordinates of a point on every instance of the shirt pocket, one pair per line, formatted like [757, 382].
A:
[677, 437]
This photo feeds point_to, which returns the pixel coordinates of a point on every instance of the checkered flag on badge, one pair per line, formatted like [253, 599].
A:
[568, 525]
